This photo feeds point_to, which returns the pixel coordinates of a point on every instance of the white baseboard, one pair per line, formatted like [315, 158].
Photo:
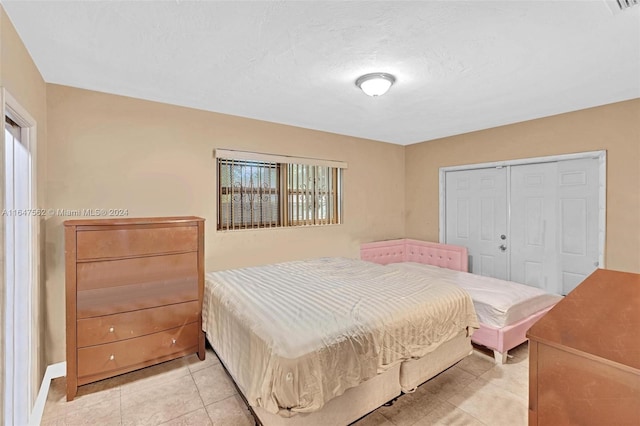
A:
[53, 371]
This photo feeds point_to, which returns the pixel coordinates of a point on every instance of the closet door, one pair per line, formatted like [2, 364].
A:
[535, 223]
[533, 227]
[578, 210]
[476, 211]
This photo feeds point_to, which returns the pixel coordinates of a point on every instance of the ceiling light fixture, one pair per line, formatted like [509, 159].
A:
[375, 84]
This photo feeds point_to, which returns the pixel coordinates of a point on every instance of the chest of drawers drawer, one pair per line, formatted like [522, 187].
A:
[169, 268]
[127, 325]
[122, 355]
[112, 286]
[146, 240]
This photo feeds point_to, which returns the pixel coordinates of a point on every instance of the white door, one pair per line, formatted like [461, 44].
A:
[578, 184]
[476, 205]
[533, 228]
[537, 224]
[18, 274]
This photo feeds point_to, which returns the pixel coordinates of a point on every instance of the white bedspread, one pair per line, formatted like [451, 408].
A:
[498, 303]
[296, 334]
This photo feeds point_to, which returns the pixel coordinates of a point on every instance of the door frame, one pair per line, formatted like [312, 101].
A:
[12, 108]
[602, 188]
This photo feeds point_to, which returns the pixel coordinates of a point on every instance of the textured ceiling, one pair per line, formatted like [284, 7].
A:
[460, 65]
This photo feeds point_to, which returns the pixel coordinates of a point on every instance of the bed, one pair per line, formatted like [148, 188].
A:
[326, 341]
[506, 310]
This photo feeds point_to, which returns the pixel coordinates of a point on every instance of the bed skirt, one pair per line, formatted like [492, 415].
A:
[368, 396]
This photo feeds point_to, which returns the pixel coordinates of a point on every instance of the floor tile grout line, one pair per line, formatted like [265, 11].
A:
[487, 382]
[200, 396]
[490, 382]
[469, 414]
[162, 383]
[121, 418]
[66, 411]
[143, 386]
[426, 414]
[198, 390]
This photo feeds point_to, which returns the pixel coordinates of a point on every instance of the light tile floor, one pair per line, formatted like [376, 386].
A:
[187, 391]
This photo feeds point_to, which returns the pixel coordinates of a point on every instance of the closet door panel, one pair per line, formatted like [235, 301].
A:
[578, 208]
[533, 226]
[476, 206]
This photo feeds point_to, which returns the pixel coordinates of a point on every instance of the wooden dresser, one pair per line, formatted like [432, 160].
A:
[584, 355]
[134, 292]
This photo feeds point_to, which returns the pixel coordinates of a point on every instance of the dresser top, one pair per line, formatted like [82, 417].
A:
[132, 221]
[600, 317]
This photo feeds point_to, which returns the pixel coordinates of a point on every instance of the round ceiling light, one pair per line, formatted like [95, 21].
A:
[375, 84]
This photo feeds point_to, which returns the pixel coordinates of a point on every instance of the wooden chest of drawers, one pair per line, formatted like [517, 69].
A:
[584, 355]
[134, 291]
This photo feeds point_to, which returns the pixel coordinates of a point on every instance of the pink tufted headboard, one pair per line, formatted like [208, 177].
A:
[406, 250]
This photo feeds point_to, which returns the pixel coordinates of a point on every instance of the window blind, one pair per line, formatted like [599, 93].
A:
[269, 191]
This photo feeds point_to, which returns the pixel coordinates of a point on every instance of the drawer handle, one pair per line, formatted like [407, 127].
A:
[173, 341]
[112, 357]
[111, 329]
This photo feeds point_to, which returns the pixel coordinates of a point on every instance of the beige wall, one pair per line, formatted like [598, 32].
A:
[615, 128]
[21, 79]
[107, 151]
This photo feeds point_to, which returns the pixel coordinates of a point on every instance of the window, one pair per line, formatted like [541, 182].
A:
[269, 191]
[249, 194]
